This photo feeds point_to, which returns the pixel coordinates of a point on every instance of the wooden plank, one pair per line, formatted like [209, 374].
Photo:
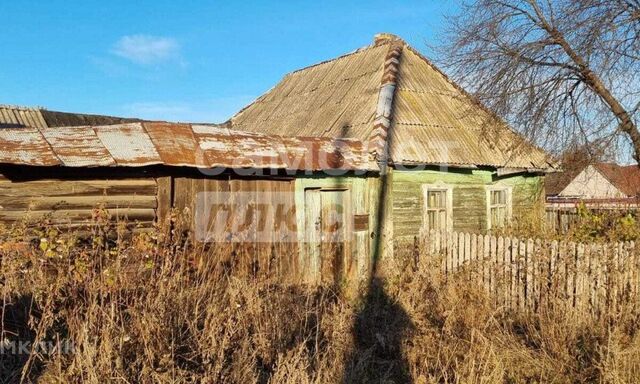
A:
[578, 260]
[496, 259]
[522, 273]
[461, 250]
[164, 203]
[507, 272]
[312, 215]
[529, 289]
[502, 270]
[572, 253]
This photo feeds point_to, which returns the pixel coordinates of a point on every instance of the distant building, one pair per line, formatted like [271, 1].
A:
[12, 116]
[600, 181]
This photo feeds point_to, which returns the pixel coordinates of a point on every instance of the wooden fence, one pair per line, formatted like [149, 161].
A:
[523, 273]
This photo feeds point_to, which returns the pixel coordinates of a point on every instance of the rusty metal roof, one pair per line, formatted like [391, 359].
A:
[77, 146]
[202, 146]
[433, 121]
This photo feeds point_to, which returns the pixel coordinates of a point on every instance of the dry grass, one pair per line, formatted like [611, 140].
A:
[146, 310]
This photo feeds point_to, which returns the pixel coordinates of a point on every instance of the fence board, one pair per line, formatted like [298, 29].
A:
[523, 273]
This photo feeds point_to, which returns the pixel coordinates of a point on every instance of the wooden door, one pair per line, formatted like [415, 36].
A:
[328, 229]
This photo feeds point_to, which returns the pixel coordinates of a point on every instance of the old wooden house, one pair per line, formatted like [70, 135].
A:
[446, 162]
[370, 149]
[233, 187]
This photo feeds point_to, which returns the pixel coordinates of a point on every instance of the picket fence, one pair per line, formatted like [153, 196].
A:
[523, 273]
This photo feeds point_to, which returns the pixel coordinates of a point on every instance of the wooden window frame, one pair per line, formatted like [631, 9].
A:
[448, 189]
[508, 204]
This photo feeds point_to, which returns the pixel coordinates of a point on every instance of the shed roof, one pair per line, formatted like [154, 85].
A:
[203, 146]
[12, 116]
[432, 121]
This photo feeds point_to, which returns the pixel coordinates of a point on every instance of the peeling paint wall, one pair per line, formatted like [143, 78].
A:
[469, 198]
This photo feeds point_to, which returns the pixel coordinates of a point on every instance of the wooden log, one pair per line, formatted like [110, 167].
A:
[70, 216]
[78, 187]
[46, 203]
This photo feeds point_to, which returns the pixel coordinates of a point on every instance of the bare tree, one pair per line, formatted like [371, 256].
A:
[561, 71]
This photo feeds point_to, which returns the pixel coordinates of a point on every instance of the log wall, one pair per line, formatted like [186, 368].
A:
[36, 196]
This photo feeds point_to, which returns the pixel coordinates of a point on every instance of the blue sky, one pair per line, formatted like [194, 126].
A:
[185, 61]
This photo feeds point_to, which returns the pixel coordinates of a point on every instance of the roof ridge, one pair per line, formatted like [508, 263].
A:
[358, 50]
[21, 107]
[379, 137]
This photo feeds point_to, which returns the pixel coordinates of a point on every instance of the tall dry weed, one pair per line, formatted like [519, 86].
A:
[155, 308]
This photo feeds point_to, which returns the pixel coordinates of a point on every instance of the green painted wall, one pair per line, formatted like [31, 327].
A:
[469, 198]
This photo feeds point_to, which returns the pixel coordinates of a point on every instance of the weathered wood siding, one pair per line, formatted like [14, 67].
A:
[363, 192]
[469, 198]
[222, 189]
[69, 199]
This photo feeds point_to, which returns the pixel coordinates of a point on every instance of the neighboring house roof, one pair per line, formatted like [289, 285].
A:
[202, 146]
[432, 120]
[625, 178]
[17, 116]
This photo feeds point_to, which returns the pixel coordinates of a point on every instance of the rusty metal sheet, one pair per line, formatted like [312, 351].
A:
[222, 147]
[25, 146]
[176, 144]
[77, 146]
[128, 144]
[136, 145]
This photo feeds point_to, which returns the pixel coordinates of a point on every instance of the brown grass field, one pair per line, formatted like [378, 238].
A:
[146, 310]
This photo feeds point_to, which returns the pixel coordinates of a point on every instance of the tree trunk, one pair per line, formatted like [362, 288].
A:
[594, 82]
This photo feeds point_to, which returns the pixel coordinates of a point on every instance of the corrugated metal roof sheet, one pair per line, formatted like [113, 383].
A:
[141, 144]
[251, 150]
[14, 116]
[625, 177]
[25, 146]
[436, 122]
[433, 120]
[128, 144]
[175, 144]
[331, 99]
[77, 146]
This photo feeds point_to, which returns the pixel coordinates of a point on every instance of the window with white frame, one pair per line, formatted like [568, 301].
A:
[437, 207]
[498, 207]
